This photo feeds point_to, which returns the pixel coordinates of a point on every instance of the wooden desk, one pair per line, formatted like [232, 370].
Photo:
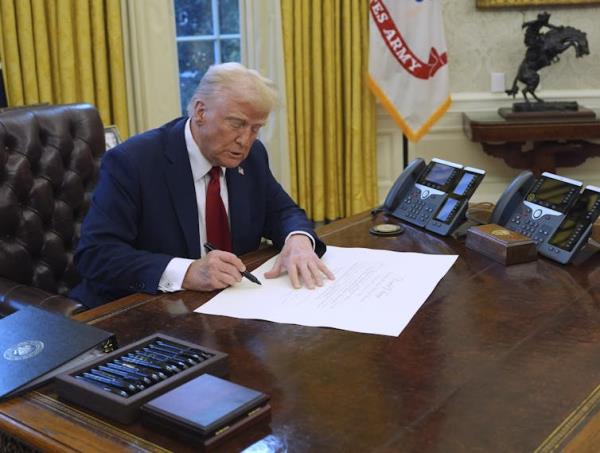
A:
[497, 359]
[535, 144]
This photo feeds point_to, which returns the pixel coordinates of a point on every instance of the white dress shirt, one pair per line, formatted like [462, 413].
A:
[172, 277]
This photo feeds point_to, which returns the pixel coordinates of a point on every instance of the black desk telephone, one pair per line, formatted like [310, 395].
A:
[551, 210]
[434, 196]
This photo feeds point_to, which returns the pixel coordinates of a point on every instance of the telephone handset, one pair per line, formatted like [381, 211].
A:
[407, 178]
[434, 196]
[512, 197]
[551, 211]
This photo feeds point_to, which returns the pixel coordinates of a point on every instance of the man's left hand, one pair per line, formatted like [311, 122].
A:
[301, 263]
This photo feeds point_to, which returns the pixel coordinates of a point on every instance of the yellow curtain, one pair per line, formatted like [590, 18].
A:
[64, 51]
[331, 112]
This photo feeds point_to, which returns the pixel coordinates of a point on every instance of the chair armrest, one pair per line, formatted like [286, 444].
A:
[14, 296]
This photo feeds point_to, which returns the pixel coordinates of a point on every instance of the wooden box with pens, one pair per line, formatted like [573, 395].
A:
[119, 383]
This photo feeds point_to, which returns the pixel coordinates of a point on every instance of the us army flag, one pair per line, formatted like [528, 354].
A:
[408, 64]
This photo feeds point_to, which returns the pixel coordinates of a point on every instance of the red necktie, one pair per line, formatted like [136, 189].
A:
[217, 225]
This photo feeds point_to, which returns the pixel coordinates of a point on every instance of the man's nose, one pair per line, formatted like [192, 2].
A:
[244, 137]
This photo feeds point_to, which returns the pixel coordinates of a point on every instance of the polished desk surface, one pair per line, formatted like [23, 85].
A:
[497, 359]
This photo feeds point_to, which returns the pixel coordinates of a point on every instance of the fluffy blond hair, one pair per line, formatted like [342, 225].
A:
[235, 79]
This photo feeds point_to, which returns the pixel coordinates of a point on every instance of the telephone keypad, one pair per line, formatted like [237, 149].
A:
[531, 224]
[415, 208]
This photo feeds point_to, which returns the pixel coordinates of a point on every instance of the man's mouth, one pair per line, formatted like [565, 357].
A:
[236, 154]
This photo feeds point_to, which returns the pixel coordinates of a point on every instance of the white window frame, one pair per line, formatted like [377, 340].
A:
[216, 36]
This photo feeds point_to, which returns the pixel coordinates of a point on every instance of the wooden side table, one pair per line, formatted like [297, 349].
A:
[536, 144]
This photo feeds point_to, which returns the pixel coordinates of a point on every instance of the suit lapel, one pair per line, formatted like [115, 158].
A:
[178, 174]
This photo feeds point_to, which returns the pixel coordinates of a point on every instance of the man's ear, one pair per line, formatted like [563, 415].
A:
[199, 112]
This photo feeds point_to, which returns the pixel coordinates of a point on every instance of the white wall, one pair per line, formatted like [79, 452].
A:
[481, 42]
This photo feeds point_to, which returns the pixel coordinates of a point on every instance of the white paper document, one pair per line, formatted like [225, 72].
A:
[374, 291]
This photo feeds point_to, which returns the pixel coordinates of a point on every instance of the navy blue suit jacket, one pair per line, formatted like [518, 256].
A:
[144, 213]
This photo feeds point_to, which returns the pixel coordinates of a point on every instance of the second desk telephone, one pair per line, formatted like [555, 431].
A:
[434, 196]
[551, 210]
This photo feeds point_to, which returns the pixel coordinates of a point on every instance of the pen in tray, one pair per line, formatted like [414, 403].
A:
[106, 388]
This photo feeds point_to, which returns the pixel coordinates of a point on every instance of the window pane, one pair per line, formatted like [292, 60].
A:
[193, 17]
[230, 50]
[229, 16]
[194, 59]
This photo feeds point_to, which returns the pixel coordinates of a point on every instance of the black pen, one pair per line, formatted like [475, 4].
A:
[140, 368]
[122, 393]
[198, 355]
[125, 374]
[172, 353]
[132, 387]
[110, 382]
[209, 248]
[144, 364]
[122, 376]
[170, 360]
[152, 362]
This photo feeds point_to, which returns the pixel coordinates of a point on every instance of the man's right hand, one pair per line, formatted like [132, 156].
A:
[217, 270]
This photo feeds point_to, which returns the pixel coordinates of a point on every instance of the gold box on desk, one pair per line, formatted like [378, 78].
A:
[596, 231]
[500, 244]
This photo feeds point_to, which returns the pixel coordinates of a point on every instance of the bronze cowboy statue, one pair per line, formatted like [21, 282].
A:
[543, 49]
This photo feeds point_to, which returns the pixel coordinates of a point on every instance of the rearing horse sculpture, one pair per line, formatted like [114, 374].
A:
[543, 49]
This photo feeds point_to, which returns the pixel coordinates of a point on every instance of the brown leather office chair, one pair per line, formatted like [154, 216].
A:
[49, 161]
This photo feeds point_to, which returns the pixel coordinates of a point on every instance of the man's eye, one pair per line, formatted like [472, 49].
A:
[236, 124]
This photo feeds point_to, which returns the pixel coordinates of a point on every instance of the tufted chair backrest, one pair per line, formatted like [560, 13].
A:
[49, 163]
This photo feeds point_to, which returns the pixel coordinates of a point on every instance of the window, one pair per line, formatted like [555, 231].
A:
[208, 32]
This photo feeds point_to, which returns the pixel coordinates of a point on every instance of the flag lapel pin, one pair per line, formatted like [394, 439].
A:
[241, 171]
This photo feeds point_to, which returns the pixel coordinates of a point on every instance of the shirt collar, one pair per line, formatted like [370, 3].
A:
[200, 165]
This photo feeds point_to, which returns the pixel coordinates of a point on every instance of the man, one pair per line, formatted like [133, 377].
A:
[533, 35]
[164, 193]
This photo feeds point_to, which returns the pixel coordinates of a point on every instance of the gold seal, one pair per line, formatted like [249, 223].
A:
[386, 229]
[501, 232]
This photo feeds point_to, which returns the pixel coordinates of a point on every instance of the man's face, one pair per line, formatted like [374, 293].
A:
[225, 128]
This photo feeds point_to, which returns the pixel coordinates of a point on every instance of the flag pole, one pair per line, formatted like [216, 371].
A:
[404, 150]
